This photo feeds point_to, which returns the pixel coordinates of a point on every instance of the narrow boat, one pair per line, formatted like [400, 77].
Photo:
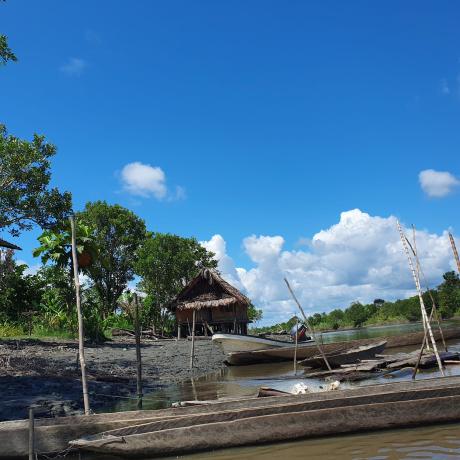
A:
[287, 418]
[353, 355]
[232, 343]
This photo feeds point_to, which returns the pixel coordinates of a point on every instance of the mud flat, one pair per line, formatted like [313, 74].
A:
[45, 373]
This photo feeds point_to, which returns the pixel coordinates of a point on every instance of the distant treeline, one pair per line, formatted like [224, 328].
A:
[446, 297]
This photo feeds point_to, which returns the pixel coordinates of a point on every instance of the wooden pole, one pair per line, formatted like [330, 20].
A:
[31, 434]
[310, 329]
[81, 345]
[454, 250]
[137, 331]
[296, 344]
[192, 352]
[419, 291]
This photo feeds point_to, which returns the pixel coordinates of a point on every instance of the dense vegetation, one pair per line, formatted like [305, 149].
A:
[446, 297]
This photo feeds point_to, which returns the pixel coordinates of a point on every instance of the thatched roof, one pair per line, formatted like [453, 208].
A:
[209, 290]
[5, 244]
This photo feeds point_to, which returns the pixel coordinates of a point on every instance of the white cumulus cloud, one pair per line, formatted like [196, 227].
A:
[358, 258]
[437, 183]
[144, 180]
[74, 67]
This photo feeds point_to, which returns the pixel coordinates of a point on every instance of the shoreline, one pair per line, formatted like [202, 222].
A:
[45, 373]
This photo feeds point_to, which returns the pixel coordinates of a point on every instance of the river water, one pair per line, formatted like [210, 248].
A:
[437, 442]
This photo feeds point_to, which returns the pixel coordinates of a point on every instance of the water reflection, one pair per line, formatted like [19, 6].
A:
[241, 381]
[438, 442]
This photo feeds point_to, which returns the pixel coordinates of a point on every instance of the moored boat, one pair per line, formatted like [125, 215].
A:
[233, 343]
[350, 356]
[287, 418]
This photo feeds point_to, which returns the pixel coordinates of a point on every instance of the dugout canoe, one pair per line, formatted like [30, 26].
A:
[287, 353]
[353, 355]
[53, 435]
[283, 419]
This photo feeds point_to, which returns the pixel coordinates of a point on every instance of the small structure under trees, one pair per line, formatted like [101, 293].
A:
[5, 244]
[218, 306]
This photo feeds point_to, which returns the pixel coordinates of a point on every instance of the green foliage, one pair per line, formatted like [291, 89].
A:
[449, 294]
[56, 244]
[117, 234]
[166, 262]
[6, 54]
[357, 314]
[18, 293]
[11, 330]
[25, 196]
[254, 314]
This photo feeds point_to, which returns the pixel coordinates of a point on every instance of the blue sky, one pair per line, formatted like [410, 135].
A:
[266, 118]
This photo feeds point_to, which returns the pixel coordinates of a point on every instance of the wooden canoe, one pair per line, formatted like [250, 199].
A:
[53, 435]
[350, 356]
[281, 420]
[287, 353]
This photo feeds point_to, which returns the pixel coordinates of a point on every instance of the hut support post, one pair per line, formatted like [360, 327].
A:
[81, 346]
[192, 352]
[311, 330]
[31, 434]
[419, 290]
[138, 352]
[178, 331]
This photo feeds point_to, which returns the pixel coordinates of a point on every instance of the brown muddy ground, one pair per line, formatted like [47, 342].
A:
[46, 374]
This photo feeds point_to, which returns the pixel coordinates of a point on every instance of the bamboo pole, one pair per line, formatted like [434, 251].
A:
[434, 308]
[81, 345]
[420, 354]
[192, 352]
[417, 262]
[137, 331]
[454, 250]
[31, 434]
[310, 329]
[296, 344]
[419, 291]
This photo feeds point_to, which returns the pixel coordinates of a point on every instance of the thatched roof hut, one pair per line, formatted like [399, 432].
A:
[218, 305]
[5, 244]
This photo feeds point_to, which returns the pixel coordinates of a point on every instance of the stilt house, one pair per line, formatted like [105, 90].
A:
[218, 306]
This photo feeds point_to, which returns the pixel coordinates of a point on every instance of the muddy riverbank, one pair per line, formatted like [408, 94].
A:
[45, 373]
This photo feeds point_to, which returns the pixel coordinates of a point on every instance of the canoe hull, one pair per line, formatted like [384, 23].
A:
[282, 422]
[351, 356]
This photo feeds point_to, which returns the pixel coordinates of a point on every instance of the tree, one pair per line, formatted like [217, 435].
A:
[357, 314]
[336, 318]
[25, 196]
[18, 292]
[5, 51]
[165, 263]
[117, 235]
[449, 294]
